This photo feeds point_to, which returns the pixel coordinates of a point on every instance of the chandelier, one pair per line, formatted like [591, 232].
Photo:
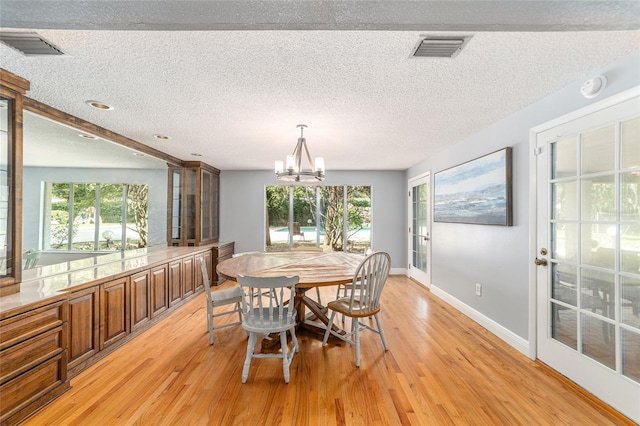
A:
[296, 170]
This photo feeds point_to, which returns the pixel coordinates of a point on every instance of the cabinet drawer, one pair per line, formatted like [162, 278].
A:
[23, 356]
[24, 326]
[35, 383]
[225, 249]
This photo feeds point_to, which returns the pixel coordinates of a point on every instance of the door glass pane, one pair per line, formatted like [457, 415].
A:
[277, 199]
[205, 207]
[332, 211]
[6, 257]
[630, 301]
[176, 205]
[598, 198]
[565, 201]
[598, 340]
[110, 236]
[630, 354]
[597, 292]
[563, 158]
[630, 248]
[137, 216]
[564, 325]
[564, 241]
[564, 285]
[192, 193]
[85, 217]
[598, 245]
[359, 211]
[598, 150]
[59, 226]
[420, 225]
[631, 143]
[304, 217]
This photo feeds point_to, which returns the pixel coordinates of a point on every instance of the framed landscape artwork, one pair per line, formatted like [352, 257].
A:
[478, 191]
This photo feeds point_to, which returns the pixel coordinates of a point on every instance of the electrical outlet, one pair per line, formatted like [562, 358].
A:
[478, 289]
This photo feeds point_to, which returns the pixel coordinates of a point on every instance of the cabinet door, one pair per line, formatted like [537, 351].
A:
[175, 282]
[114, 311]
[189, 268]
[140, 300]
[84, 325]
[159, 290]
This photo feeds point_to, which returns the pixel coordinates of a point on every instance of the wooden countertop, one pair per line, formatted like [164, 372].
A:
[47, 284]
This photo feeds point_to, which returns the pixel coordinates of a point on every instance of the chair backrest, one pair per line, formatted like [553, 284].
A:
[260, 307]
[368, 282]
[205, 278]
[31, 258]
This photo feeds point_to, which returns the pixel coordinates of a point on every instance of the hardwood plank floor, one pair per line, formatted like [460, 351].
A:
[442, 369]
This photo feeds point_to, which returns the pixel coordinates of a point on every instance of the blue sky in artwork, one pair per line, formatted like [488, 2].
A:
[472, 176]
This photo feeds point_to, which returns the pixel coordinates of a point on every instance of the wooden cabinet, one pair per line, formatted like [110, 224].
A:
[159, 290]
[84, 325]
[115, 311]
[188, 276]
[221, 251]
[33, 360]
[175, 282]
[193, 205]
[140, 300]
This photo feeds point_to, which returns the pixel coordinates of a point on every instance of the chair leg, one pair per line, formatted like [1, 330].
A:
[239, 308]
[355, 326]
[328, 330]
[294, 339]
[381, 332]
[285, 357]
[251, 345]
[210, 323]
[318, 294]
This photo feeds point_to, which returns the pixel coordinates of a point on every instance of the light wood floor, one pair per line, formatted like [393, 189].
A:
[442, 369]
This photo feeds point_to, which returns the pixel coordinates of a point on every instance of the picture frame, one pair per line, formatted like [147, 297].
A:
[476, 192]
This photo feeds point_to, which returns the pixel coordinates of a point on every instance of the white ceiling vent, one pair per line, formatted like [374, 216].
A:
[31, 44]
[439, 46]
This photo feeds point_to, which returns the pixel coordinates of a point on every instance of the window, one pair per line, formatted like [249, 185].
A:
[312, 217]
[94, 216]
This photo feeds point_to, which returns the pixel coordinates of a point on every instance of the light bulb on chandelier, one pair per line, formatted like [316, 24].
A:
[294, 170]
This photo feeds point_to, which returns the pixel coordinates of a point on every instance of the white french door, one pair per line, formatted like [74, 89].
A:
[588, 250]
[419, 229]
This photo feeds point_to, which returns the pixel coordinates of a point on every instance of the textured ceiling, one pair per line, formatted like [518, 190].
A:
[233, 86]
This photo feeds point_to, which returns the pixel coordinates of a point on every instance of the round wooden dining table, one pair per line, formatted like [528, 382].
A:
[315, 269]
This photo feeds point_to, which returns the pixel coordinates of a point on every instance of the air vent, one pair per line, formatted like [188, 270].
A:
[439, 47]
[31, 44]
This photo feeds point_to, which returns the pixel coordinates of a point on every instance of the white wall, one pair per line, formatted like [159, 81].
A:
[32, 196]
[498, 257]
[242, 204]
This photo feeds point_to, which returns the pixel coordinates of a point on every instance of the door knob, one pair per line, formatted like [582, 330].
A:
[540, 262]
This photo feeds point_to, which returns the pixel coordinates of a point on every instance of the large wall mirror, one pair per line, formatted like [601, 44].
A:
[84, 195]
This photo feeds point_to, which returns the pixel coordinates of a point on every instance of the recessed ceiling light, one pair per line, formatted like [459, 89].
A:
[159, 136]
[99, 105]
[195, 154]
[86, 136]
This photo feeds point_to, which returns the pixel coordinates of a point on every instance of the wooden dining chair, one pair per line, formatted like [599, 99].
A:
[218, 298]
[263, 315]
[363, 301]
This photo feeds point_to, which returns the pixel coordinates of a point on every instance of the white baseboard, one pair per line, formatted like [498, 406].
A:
[398, 271]
[505, 334]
